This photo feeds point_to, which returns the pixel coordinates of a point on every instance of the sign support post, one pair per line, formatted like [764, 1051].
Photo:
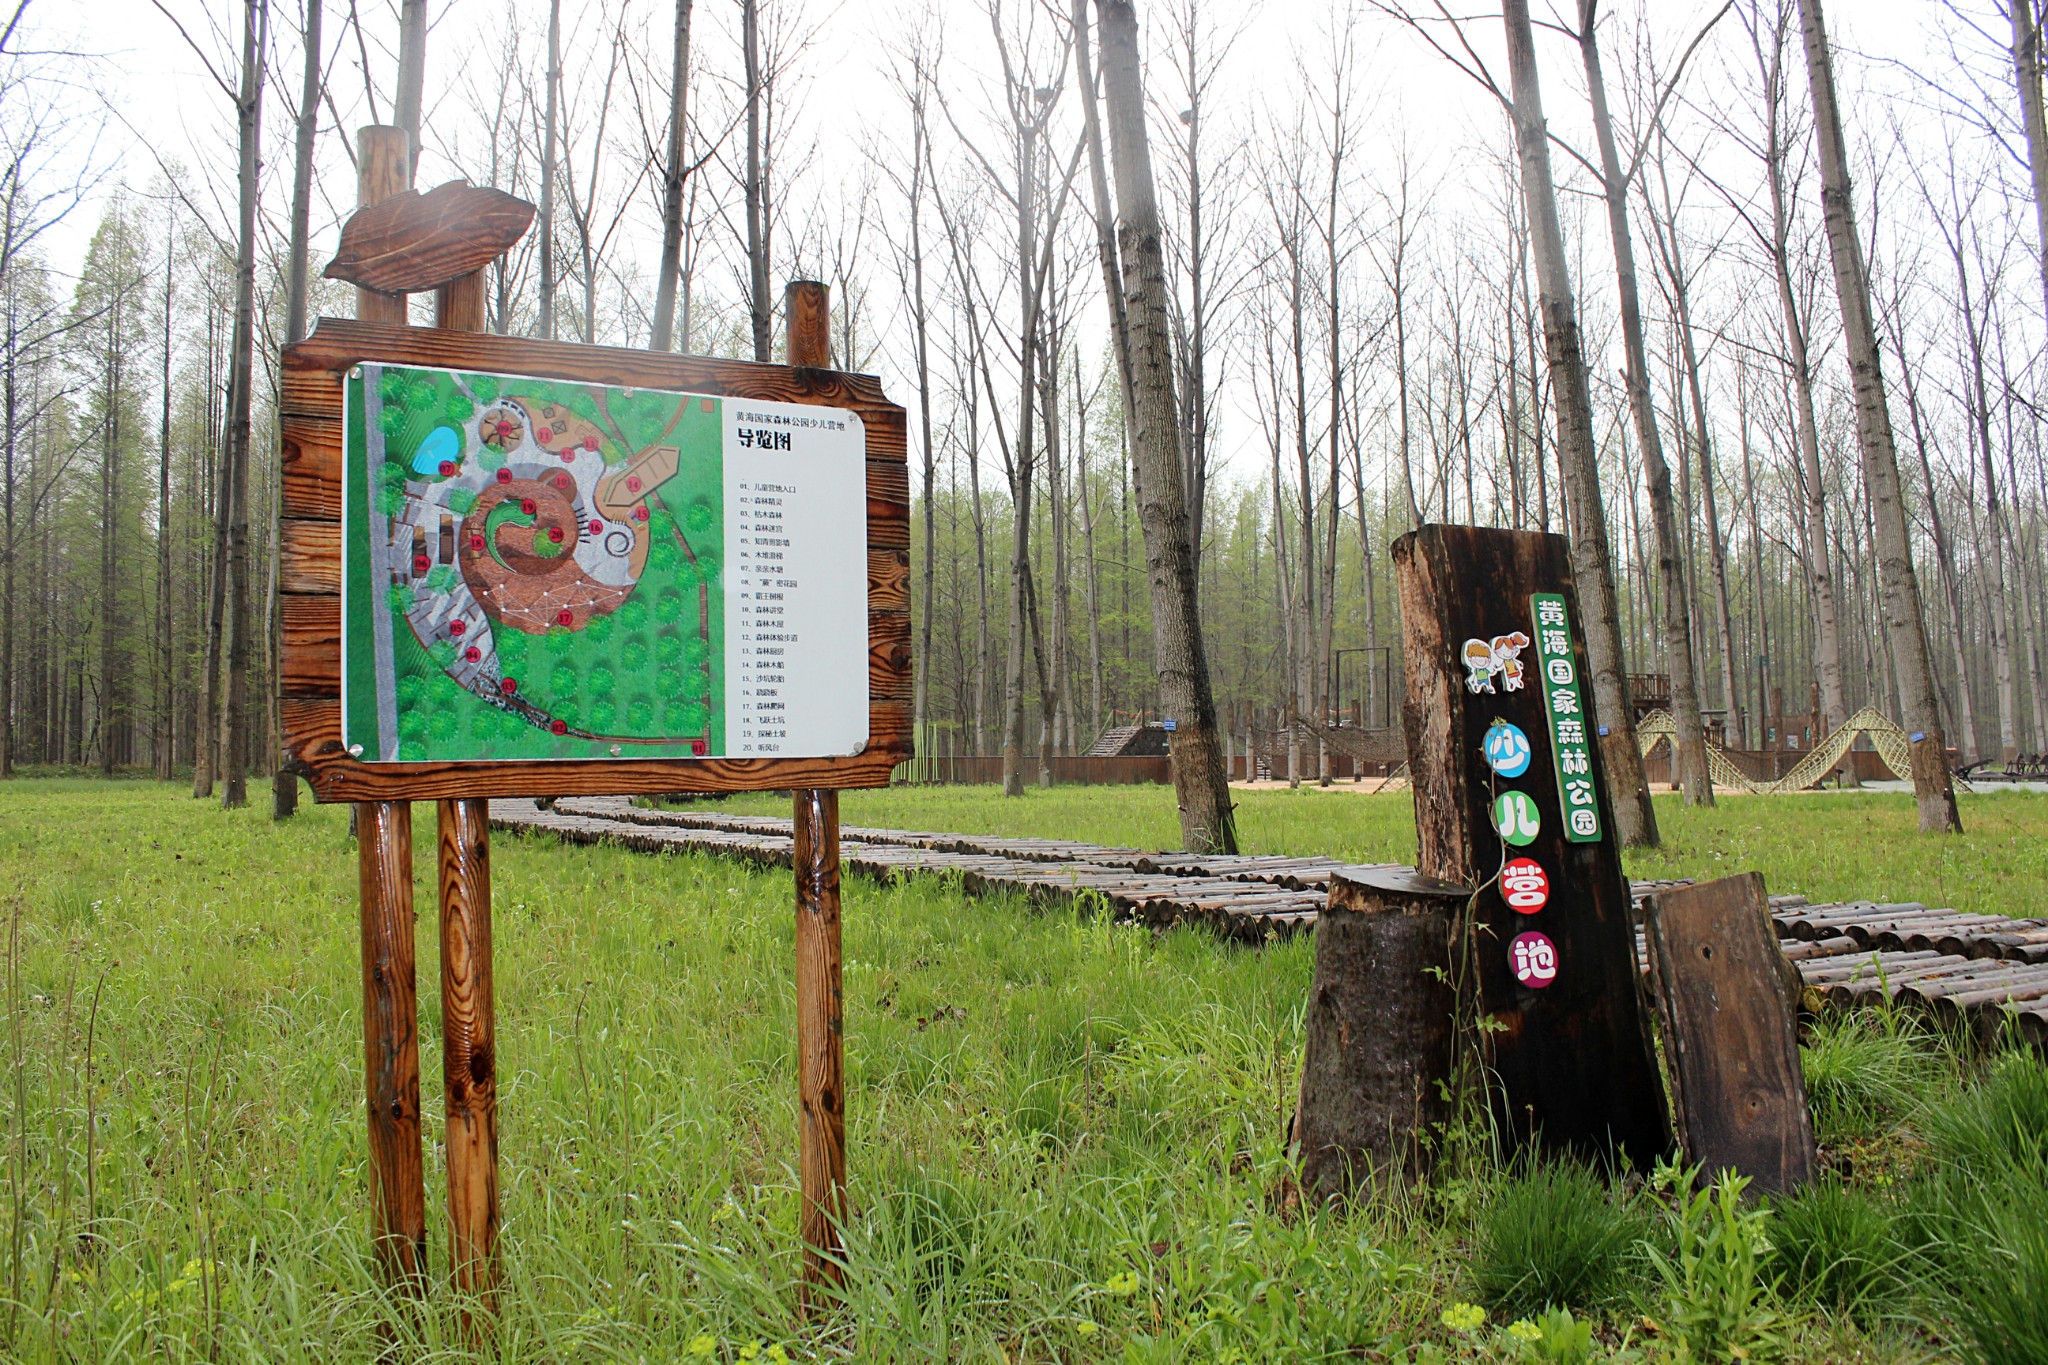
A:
[391, 1041]
[820, 1021]
[469, 1015]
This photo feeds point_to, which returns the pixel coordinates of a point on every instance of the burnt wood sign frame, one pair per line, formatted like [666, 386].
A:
[1569, 1058]
[311, 565]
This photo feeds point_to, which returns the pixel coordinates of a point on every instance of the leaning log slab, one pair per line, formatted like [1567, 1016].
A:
[1728, 1009]
[1377, 1078]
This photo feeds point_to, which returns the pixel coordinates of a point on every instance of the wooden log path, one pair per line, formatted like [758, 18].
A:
[1985, 972]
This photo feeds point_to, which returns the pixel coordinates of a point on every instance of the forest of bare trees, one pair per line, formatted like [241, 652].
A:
[1756, 315]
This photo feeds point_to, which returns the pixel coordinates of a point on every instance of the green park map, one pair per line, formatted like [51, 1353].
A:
[532, 569]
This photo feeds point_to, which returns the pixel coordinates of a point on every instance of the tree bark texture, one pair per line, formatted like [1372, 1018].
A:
[1378, 1082]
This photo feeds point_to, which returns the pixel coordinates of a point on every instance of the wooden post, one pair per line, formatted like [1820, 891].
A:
[383, 168]
[1489, 627]
[1728, 1004]
[469, 1046]
[1378, 1074]
[820, 1037]
[469, 1056]
[820, 1022]
[391, 1044]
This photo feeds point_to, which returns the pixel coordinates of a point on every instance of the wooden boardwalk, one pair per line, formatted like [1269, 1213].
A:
[1981, 971]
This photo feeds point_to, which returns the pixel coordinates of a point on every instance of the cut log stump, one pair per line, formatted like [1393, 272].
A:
[1377, 1075]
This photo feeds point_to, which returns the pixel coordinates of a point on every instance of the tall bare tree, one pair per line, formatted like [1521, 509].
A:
[668, 270]
[1635, 819]
[239, 618]
[1906, 628]
[1201, 781]
[1689, 739]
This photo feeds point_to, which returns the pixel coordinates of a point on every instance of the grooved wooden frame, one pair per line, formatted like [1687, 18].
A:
[310, 565]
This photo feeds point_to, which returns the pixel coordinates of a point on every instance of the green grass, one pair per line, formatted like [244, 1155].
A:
[1827, 846]
[1067, 1139]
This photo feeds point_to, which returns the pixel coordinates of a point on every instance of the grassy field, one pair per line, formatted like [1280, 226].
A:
[1067, 1139]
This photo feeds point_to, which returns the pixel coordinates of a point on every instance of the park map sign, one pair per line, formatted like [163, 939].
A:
[519, 567]
[548, 570]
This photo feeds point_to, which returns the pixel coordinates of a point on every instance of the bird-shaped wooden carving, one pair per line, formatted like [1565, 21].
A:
[414, 242]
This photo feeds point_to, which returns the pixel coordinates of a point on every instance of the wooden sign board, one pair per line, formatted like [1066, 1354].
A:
[1503, 750]
[516, 567]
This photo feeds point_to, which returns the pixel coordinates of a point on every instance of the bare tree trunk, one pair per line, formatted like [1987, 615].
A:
[549, 169]
[249, 115]
[1906, 627]
[1021, 455]
[1202, 784]
[1944, 556]
[1093, 584]
[284, 787]
[1635, 820]
[111, 710]
[1689, 739]
[921, 325]
[1394, 272]
[1819, 575]
[1998, 621]
[668, 272]
[412, 78]
[757, 247]
[2026, 67]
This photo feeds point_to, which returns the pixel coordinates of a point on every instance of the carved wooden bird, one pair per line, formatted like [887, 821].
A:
[414, 242]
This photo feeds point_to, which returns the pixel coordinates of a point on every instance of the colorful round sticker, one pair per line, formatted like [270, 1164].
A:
[1525, 885]
[1516, 817]
[1534, 958]
[1507, 749]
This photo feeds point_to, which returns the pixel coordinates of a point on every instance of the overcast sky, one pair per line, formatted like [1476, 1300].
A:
[165, 108]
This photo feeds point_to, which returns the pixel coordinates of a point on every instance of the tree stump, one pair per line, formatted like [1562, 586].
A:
[1377, 1078]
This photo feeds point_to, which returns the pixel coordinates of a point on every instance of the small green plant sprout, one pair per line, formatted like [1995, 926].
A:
[1123, 1284]
[702, 1345]
[1463, 1318]
[1555, 1338]
[1714, 1295]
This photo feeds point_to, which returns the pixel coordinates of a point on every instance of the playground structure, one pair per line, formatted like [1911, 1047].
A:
[1656, 730]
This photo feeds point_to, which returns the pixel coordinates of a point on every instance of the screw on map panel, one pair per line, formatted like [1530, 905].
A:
[617, 750]
[355, 372]
[355, 751]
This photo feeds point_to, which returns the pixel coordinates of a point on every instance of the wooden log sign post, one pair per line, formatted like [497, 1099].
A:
[524, 568]
[1509, 798]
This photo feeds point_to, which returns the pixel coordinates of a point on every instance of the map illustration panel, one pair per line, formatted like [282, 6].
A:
[551, 569]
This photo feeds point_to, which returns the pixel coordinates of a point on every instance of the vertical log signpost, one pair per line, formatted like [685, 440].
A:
[1502, 740]
[526, 568]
